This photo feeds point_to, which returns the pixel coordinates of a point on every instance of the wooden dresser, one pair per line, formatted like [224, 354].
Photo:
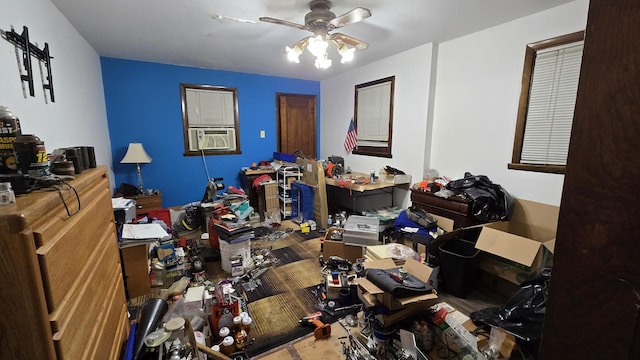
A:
[456, 208]
[61, 290]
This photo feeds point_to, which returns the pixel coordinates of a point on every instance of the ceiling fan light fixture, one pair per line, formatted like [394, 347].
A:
[322, 62]
[321, 21]
[293, 54]
[346, 53]
[317, 46]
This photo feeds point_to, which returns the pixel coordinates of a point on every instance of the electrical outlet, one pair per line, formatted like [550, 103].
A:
[262, 134]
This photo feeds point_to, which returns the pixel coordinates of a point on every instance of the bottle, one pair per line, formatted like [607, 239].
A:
[7, 196]
[329, 221]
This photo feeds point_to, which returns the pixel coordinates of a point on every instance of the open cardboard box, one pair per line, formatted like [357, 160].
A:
[415, 268]
[515, 249]
[339, 248]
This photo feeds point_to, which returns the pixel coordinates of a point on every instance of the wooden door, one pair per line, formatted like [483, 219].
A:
[593, 307]
[297, 124]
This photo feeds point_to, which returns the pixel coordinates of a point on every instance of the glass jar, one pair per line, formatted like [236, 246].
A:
[7, 196]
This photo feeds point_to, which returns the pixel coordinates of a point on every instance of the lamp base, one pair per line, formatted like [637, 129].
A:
[140, 184]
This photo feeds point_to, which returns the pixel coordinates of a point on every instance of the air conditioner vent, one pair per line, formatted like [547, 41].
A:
[211, 139]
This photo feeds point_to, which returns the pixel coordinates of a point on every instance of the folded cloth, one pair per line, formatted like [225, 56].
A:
[391, 281]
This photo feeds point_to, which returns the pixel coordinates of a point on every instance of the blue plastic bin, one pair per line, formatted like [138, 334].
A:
[301, 201]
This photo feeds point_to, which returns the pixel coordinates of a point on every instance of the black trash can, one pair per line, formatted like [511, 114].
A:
[458, 268]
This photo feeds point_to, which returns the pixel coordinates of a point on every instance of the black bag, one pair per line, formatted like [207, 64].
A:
[490, 202]
[384, 279]
[523, 314]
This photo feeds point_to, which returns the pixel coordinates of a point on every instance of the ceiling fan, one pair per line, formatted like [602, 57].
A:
[320, 21]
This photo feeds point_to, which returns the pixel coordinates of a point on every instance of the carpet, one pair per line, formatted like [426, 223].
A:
[284, 295]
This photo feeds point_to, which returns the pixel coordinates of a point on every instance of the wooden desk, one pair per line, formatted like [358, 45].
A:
[342, 193]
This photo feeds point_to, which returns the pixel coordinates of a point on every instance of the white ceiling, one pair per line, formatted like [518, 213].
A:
[184, 32]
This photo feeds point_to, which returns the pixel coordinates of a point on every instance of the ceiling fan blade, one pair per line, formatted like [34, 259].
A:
[223, 18]
[348, 40]
[282, 22]
[353, 16]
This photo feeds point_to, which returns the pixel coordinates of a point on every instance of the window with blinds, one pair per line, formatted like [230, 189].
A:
[374, 117]
[547, 102]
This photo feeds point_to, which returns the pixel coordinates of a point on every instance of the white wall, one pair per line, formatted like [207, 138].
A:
[78, 115]
[412, 70]
[476, 100]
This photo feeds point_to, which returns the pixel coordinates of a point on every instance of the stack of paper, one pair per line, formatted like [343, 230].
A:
[144, 232]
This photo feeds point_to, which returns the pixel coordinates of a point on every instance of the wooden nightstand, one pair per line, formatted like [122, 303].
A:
[144, 203]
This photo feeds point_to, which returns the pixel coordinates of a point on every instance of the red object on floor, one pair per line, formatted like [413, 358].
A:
[162, 214]
[439, 317]
[213, 236]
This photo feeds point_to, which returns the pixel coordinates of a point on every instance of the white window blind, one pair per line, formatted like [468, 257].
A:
[373, 115]
[210, 108]
[552, 98]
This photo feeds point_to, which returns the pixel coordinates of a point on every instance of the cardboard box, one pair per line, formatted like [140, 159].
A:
[395, 179]
[515, 249]
[391, 302]
[339, 248]
[460, 331]
[333, 290]
[193, 299]
[393, 317]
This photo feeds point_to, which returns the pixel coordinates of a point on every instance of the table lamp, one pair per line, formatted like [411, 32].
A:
[136, 155]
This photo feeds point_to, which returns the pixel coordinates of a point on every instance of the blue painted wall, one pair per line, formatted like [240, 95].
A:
[143, 105]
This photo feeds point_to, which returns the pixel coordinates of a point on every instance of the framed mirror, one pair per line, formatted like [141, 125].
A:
[210, 120]
[374, 117]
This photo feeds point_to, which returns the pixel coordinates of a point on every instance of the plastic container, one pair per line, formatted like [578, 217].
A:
[458, 267]
[31, 156]
[301, 202]
[7, 196]
[228, 251]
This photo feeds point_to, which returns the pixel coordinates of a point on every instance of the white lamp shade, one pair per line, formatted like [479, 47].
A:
[136, 155]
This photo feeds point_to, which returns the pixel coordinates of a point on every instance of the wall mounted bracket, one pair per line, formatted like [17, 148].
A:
[21, 42]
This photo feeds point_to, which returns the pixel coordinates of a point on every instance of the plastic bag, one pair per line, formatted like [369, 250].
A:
[490, 202]
[523, 314]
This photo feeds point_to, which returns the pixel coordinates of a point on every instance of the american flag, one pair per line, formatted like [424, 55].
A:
[350, 140]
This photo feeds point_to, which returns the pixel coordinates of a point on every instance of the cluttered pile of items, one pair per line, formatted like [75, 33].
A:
[397, 288]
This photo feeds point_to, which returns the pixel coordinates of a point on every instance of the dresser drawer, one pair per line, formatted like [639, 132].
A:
[114, 326]
[48, 225]
[455, 208]
[95, 265]
[79, 325]
[68, 251]
[144, 203]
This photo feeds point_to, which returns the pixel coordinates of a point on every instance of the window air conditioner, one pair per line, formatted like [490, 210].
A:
[212, 138]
